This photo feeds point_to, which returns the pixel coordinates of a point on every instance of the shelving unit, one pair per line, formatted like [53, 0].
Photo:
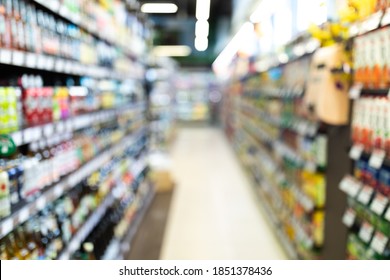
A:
[106, 133]
[294, 161]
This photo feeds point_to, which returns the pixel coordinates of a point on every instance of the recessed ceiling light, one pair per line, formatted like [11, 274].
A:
[201, 43]
[159, 8]
[174, 50]
[202, 28]
[202, 9]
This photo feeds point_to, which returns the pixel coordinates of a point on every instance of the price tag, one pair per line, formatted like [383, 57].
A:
[386, 18]
[387, 215]
[60, 127]
[31, 60]
[349, 217]
[68, 67]
[6, 56]
[18, 58]
[7, 226]
[48, 130]
[355, 91]
[59, 65]
[24, 214]
[345, 184]
[373, 22]
[356, 151]
[18, 138]
[69, 126]
[379, 242]
[365, 195]
[366, 232]
[377, 158]
[354, 188]
[41, 203]
[379, 204]
[28, 135]
[49, 63]
[58, 191]
[41, 62]
[36, 133]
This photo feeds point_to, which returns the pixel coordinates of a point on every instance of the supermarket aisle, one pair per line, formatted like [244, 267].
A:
[214, 214]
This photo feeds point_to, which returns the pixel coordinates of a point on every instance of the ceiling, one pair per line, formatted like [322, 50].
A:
[179, 29]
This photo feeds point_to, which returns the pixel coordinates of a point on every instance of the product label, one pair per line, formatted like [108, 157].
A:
[379, 242]
[365, 195]
[379, 204]
[366, 232]
[377, 158]
[7, 146]
[356, 151]
[349, 217]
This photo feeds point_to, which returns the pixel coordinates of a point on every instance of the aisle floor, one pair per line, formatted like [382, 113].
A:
[214, 213]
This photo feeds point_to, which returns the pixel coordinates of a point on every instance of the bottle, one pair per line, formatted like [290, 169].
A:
[21, 243]
[5, 200]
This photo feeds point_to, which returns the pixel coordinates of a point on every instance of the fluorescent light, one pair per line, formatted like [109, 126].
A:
[176, 50]
[201, 43]
[202, 28]
[228, 53]
[202, 9]
[159, 8]
[265, 8]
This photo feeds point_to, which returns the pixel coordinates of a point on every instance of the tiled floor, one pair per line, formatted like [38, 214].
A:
[214, 213]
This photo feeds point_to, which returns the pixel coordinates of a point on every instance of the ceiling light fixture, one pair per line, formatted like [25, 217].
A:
[202, 9]
[159, 8]
[174, 50]
[202, 28]
[201, 43]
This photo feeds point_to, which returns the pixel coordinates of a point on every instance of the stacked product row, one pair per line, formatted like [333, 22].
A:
[368, 187]
[48, 234]
[32, 103]
[288, 155]
[28, 27]
[74, 140]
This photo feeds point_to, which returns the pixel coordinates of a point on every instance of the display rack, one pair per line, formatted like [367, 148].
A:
[284, 154]
[107, 64]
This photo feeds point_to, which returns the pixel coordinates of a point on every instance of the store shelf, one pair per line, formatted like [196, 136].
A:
[284, 150]
[373, 22]
[72, 124]
[302, 127]
[122, 247]
[377, 159]
[375, 92]
[95, 217]
[70, 181]
[59, 65]
[61, 11]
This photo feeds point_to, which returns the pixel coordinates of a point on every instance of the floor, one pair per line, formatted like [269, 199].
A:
[147, 242]
[214, 213]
